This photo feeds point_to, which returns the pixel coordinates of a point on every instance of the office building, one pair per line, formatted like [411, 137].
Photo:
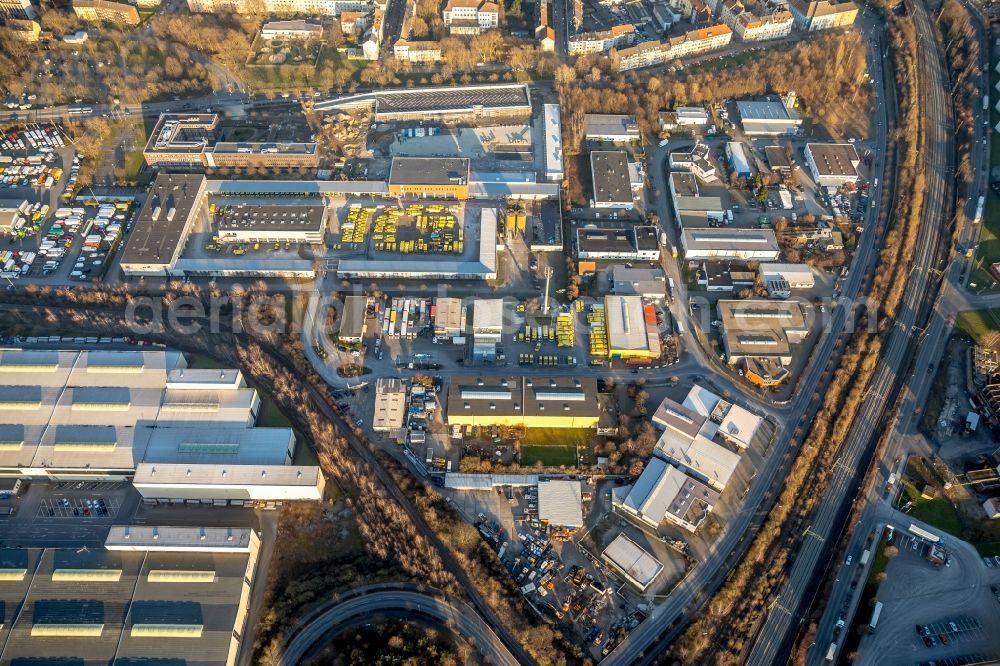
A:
[663, 492]
[17, 9]
[698, 456]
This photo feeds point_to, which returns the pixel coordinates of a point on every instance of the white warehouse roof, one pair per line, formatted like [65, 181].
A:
[560, 503]
[178, 539]
[638, 566]
[701, 456]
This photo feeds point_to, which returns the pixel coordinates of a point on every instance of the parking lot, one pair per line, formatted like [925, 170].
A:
[944, 614]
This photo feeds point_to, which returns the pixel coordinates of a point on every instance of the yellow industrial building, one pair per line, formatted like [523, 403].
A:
[532, 402]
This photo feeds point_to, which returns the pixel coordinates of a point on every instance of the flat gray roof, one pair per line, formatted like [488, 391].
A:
[834, 159]
[162, 224]
[609, 169]
[429, 171]
[614, 125]
[516, 396]
[265, 148]
[352, 317]
[766, 111]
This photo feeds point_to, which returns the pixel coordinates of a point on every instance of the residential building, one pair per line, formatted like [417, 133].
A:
[663, 491]
[417, 51]
[303, 7]
[640, 242]
[635, 564]
[610, 180]
[602, 41]
[429, 177]
[749, 27]
[547, 40]
[815, 15]
[557, 402]
[470, 17]
[769, 118]
[350, 22]
[833, 164]
[656, 52]
[96, 11]
[632, 330]
[299, 29]
[697, 161]
[17, 9]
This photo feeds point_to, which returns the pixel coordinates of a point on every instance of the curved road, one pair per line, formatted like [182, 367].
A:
[462, 619]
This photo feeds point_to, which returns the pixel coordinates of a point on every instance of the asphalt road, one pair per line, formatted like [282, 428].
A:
[953, 299]
[462, 619]
[653, 637]
[774, 640]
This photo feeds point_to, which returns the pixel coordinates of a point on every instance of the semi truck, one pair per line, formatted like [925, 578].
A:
[876, 613]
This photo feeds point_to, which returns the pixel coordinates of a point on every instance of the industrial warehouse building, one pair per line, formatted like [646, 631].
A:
[832, 164]
[186, 435]
[781, 279]
[639, 567]
[769, 118]
[390, 405]
[663, 491]
[558, 402]
[552, 140]
[610, 179]
[640, 242]
[631, 328]
[449, 317]
[163, 224]
[730, 243]
[150, 591]
[761, 328]
[353, 320]
[269, 223]
[436, 177]
[439, 103]
[611, 127]
[560, 505]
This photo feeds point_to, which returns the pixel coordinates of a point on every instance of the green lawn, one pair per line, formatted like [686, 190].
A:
[977, 323]
[990, 549]
[270, 416]
[199, 362]
[548, 455]
[989, 243]
[937, 512]
[556, 436]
